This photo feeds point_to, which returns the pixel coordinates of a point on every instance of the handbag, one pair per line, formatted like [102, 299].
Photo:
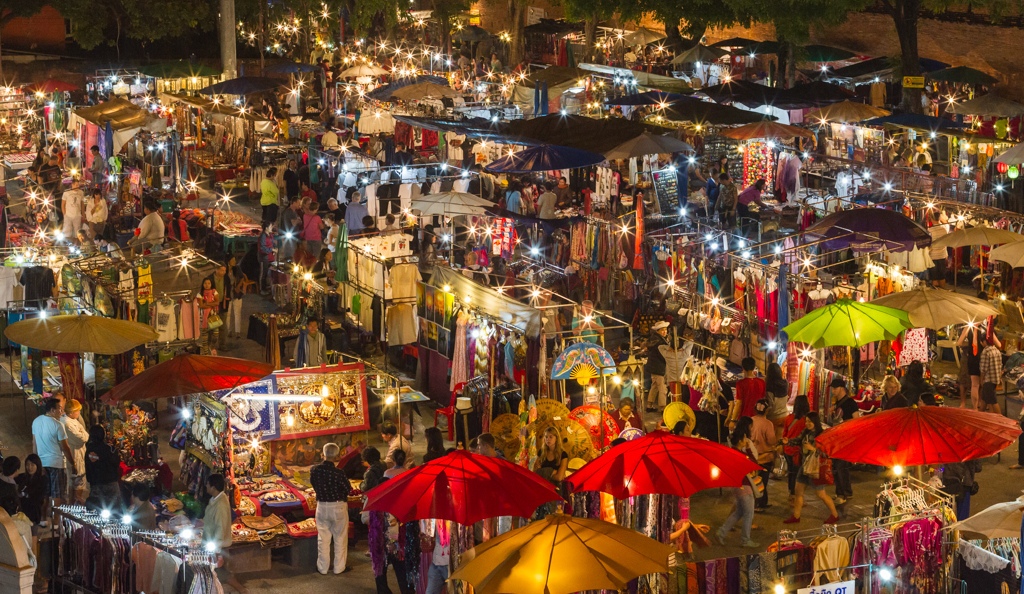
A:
[213, 322]
[812, 465]
[427, 543]
[825, 476]
[756, 484]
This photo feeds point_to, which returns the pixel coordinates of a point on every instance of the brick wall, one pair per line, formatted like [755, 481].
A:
[985, 47]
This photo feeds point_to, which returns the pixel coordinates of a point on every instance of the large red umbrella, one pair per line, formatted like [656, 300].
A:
[919, 435]
[462, 487]
[52, 85]
[189, 374]
[662, 463]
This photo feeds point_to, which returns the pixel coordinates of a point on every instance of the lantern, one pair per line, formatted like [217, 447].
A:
[1013, 172]
[1001, 168]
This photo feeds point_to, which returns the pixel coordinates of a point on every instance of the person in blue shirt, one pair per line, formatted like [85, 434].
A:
[513, 197]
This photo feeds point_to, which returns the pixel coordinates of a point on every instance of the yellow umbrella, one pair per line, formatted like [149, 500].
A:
[80, 334]
[562, 554]
[424, 90]
[845, 111]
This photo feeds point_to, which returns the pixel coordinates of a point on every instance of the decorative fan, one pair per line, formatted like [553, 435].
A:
[600, 425]
[586, 353]
[679, 411]
[505, 429]
[549, 409]
[631, 433]
[583, 373]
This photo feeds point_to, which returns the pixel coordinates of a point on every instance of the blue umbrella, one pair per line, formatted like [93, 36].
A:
[291, 68]
[546, 157]
[245, 85]
[647, 98]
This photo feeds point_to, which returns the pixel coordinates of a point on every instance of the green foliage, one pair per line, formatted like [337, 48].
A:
[106, 21]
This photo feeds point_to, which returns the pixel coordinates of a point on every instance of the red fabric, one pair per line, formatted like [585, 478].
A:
[664, 463]
[748, 391]
[638, 247]
[461, 487]
[189, 374]
[917, 436]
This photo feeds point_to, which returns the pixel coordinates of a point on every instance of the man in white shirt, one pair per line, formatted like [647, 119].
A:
[77, 437]
[73, 205]
[546, 202]
[50, 443]
[151, 229]
[217, 528]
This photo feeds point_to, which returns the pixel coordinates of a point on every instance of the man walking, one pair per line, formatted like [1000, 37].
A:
[844, 410]
[332, 489]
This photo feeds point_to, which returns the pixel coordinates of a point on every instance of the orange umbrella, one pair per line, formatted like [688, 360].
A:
[766, 130]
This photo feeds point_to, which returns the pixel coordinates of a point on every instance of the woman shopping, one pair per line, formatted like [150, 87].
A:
[745, 494]
[813, 472]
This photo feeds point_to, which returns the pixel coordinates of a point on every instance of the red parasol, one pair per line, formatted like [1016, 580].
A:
[600, 425]
[189, 374]
[662, 463]
[462, 487]
[52, 85]
[919, 435]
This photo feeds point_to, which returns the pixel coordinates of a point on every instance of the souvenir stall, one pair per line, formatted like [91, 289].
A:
[114, 83]
[298, 297]
[110, 126]
[218, 141]
[490, 342]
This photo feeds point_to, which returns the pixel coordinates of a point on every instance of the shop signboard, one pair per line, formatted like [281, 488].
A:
[913, 82]
[847, 587]
[667, 192]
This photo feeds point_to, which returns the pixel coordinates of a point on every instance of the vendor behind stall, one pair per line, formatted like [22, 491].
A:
[656, 365]
[310, 346]
[150, 234]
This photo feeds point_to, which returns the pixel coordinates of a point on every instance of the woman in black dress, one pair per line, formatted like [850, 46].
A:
[33, 488]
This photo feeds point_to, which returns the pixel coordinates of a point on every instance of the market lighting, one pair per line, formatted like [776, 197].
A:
[186, 414]
[534, 251]
[105, 514]
[715, 472]
[885, 573]
[616, 380]
[999, 187]
[186, 534]
[126, 519]
[773, 345]
[210, 547]
[780, 589]
[887, 187]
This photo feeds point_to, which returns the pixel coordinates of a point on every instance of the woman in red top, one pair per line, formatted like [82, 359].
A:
[792, 427]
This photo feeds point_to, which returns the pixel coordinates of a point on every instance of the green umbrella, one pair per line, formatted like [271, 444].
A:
[823, 53]
[848, 323]
[341, 254]
[962, 74]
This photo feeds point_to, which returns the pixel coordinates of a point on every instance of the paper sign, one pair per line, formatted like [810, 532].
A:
[913, 82]
[848, 587]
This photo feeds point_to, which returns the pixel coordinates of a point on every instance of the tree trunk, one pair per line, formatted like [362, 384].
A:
[1, 58]
[790, 72]
[262, 40]
[905, 15]
[228, 51]
[589, 37]
[784, 58]
[517, 51]
[673, 38]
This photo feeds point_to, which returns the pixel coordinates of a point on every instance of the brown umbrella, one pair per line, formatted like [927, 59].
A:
[845, 111]
[273, 348]
[766, 130]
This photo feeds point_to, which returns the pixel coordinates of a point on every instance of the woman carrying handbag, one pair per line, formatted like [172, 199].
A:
[815, 471]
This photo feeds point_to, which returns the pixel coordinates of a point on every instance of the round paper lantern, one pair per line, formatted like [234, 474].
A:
[1001, 168]
[1013, 172]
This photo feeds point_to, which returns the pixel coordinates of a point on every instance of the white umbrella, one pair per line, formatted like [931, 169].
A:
[699, 53]
[934, 309]
[450, 204]
[1011, 253]
[643, 36]
[649, 144]
[363, 70]
[1001, 520]
[1013, 156]
[976, 236]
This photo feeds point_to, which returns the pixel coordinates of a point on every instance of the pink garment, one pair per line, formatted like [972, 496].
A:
[460, 371]
[144, 559]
